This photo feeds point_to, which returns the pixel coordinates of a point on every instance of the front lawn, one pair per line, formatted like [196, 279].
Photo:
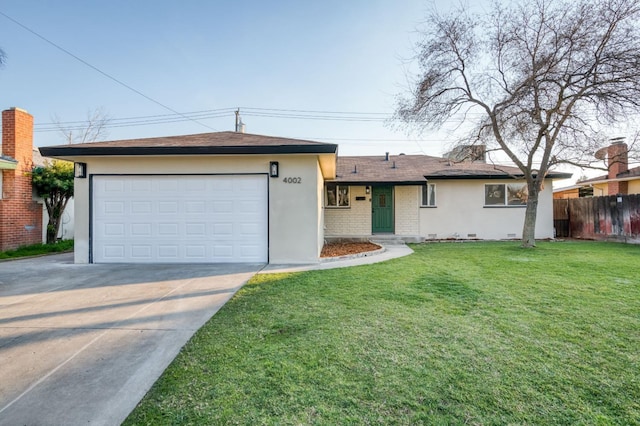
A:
[457, 333]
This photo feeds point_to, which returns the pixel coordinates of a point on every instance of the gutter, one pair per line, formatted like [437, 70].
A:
[596, 182]
[8, 163]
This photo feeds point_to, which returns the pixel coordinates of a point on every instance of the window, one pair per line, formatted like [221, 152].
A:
[429, 195]
[585, 191]
[512, 194]
[337, 195]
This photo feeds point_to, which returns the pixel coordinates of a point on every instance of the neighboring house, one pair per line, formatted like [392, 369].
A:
[237, 197]
[619, 180]
[20, 215]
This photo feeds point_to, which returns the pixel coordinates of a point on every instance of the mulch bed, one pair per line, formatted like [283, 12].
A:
[343, 249]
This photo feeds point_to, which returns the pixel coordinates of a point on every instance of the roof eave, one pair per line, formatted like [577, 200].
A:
[598, 182]
[494, 176]
[8, 164]
[71, 151]
[375, 182]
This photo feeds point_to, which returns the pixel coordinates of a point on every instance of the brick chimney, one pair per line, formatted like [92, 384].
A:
[618, 162]
[20, 216]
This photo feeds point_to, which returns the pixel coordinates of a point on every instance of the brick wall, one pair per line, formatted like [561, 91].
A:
[407, 209]
[356, 220]
[20, 216]
[352, 221]
[618, 163]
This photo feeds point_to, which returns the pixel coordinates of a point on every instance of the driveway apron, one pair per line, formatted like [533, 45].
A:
[82, 344]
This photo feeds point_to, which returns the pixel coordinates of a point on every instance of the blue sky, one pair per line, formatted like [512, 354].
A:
[330, 55]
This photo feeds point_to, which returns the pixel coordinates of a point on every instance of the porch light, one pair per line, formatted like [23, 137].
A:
[274, 169]
[367, 190]
[80, 170]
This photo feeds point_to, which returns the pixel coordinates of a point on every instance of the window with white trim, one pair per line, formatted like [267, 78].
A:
[500, 194]
[429, 195]
[336, 195]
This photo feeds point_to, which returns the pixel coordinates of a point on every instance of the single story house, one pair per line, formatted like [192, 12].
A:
[238, 197]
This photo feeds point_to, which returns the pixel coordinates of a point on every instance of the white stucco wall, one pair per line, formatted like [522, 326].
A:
[319, 206]
[354, 220]
[294, 208]
[67, 225]
[460, 213]
[407, 209]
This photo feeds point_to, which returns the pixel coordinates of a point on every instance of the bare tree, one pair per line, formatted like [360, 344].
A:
[3, 57]
[91, 130]
[538, 80]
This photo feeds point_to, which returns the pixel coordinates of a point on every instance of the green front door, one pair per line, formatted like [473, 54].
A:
[382, 209]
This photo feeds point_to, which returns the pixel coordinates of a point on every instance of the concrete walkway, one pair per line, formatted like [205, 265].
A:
[389, 252]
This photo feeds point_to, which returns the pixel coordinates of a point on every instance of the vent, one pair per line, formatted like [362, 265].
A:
[471, 235]
[432, 236]
[511, 235]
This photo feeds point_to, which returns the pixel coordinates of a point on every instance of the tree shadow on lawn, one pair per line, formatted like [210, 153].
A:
[446, 292]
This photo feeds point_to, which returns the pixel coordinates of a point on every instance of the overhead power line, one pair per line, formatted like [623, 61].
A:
[142, 117]
[296, 114]
[315, 111]
[130, 121]
[57, 46]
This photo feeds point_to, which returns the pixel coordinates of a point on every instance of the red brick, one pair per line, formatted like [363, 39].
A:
[20, 216]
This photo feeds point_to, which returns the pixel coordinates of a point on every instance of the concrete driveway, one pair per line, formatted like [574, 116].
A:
[82, 344]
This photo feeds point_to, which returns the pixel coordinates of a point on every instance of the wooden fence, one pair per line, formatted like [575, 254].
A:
[613, 217]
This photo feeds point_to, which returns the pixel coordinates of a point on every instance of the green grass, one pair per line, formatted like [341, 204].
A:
[473, 333]
[37, 249]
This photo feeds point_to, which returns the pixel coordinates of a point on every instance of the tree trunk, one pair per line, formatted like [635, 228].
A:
[53, 227]
[529, 229]
[55, 209]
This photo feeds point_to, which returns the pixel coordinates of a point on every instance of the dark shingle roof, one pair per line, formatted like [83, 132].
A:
[415, 169]
[633, 172]
[203, 143]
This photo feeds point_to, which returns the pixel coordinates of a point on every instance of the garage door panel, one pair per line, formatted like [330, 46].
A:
[141, 230]
[141, 185]
[114, 229]
[141, 251]
[141, 207]
[165, 229]
[180, 218]
[168, 207]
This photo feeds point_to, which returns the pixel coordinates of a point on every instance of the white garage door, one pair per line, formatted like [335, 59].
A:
[180, 219]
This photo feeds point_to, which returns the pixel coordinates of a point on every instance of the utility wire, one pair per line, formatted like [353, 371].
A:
[298, 114]
[142, 117]
[79, 125]
[100, 71]
[314, 111]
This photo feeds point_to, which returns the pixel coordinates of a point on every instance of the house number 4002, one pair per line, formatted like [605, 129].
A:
[292, 180]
